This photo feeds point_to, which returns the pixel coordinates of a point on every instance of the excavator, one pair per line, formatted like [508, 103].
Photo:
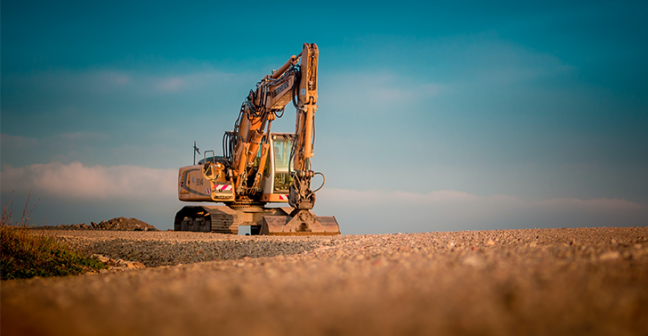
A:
[260, 167]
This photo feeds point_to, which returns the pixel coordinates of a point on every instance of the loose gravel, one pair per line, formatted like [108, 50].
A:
[153, 253]
[174, 248]
[505, 282]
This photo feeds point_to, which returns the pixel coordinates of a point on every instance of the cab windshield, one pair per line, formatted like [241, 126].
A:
[282, 148]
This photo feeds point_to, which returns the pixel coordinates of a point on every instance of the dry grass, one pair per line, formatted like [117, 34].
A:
[24, 255]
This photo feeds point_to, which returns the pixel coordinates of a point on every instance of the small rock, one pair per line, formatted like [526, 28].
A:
[139, 265]
[490, 242]
[612, 255]
[321, 249]
[473, 261]
[101, 258]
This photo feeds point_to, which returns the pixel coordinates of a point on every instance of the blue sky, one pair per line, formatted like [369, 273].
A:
[437, 116]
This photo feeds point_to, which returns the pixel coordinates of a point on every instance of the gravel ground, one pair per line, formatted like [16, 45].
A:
[174, 248]
[511, 282]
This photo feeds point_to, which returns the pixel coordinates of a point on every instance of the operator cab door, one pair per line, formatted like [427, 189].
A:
[276, 177]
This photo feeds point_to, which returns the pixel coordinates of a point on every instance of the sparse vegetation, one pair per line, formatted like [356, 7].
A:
[25, 255]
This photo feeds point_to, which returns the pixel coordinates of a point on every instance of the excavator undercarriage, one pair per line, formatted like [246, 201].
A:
[262, 220]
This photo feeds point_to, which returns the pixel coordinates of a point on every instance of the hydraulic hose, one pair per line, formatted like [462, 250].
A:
[323, 182]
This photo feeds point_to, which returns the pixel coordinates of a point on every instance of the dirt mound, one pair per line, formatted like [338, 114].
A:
[115, 224]
[125, 224]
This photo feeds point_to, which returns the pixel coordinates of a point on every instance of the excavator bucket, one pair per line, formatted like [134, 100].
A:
[300, 223]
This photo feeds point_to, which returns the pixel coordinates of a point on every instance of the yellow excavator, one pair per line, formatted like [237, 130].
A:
[260, 167]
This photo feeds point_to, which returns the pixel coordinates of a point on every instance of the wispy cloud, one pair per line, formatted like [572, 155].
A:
[78, 181]
[114, 81]
[171, 84]
[17, 141]
[65, 147]
[484, 57]
[190, 80]
[379, 88]
[82, 136]
[153, 148]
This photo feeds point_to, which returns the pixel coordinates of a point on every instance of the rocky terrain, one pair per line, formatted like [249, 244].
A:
[117, 224]
[510, 282]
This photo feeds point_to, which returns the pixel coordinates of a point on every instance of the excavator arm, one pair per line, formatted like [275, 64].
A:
[295, 81]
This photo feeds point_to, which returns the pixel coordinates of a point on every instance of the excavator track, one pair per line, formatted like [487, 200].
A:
[219, 219]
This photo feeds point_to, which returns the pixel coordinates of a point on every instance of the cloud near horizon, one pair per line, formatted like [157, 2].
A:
[358, 212]
[376, 211]
[77, 181]
[106, 81]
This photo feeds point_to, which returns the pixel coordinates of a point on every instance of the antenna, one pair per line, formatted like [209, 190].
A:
[195, 150]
